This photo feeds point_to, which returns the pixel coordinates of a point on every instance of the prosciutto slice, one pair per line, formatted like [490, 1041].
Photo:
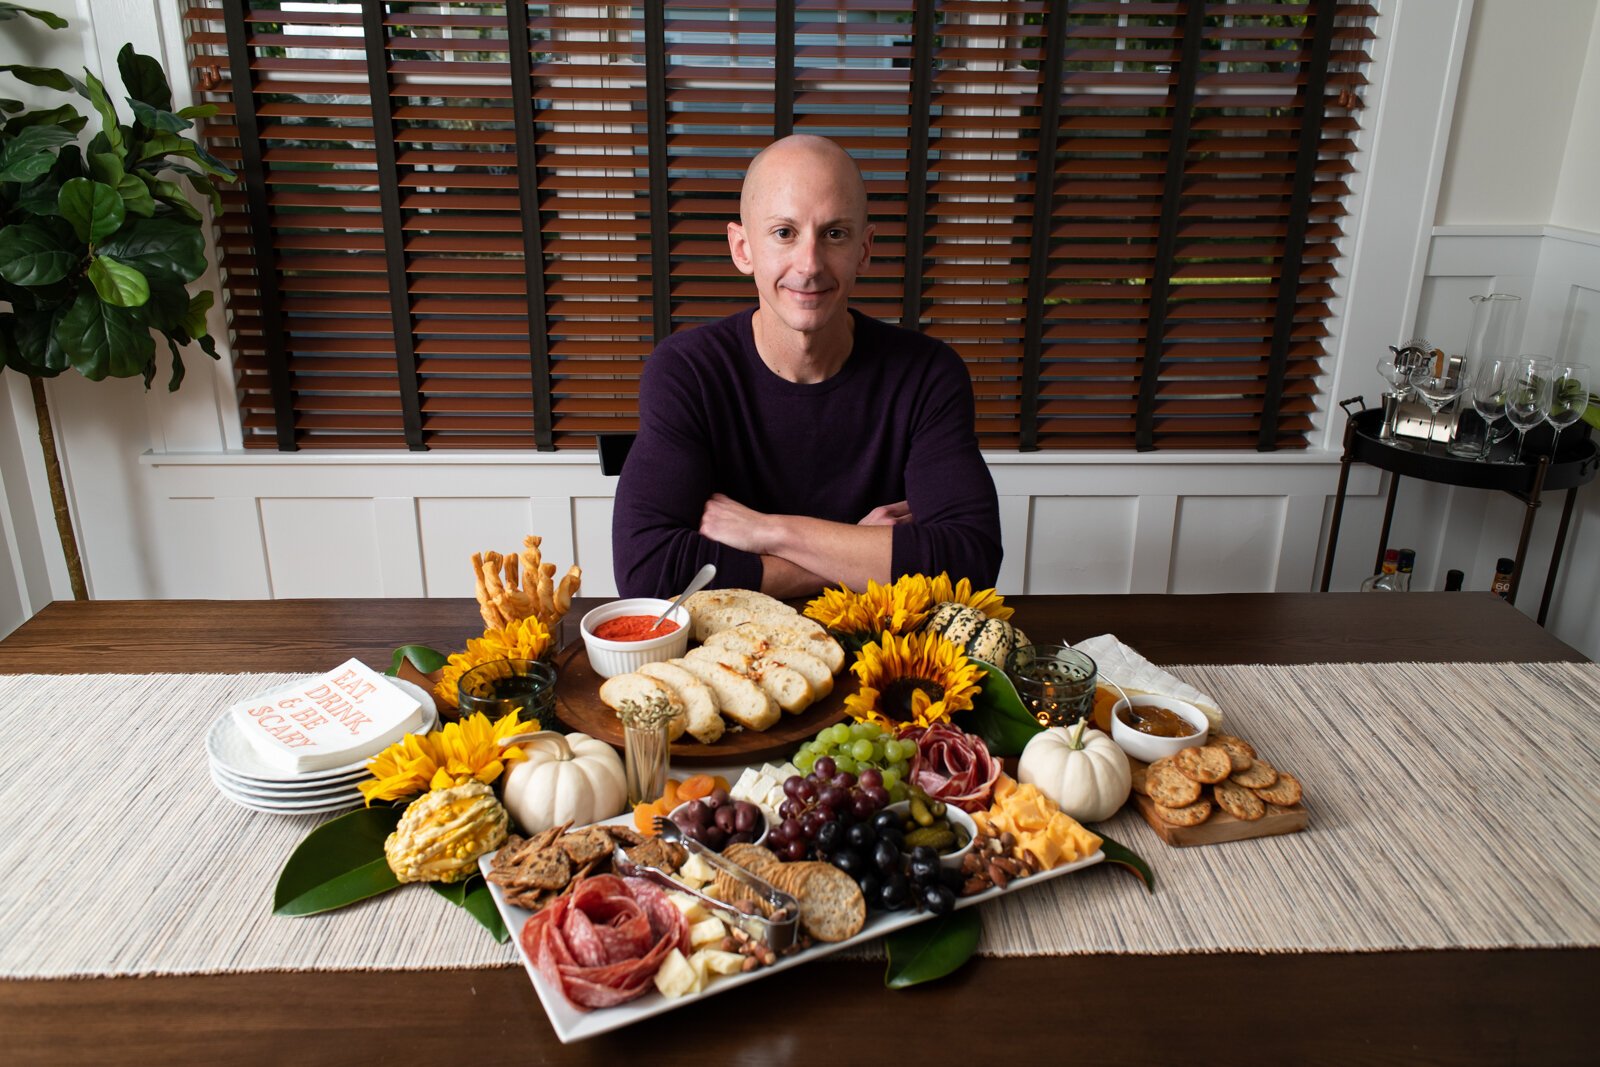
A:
[953, 766]
[603, 942]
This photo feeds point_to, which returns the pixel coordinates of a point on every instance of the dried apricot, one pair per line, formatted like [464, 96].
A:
[696, 787]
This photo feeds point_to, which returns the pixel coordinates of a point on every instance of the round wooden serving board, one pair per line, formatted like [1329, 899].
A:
[578, 706]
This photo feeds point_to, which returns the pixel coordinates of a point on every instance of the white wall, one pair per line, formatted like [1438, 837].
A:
[167, 505]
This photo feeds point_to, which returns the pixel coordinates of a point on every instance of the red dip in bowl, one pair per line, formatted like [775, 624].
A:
[633, 628]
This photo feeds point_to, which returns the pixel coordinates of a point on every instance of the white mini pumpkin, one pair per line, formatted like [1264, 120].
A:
[573, 778]
[1083, 771]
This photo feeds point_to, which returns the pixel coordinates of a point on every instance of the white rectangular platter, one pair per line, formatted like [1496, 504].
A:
[571, 1025]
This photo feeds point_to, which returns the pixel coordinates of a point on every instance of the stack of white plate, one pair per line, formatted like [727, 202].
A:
[244, 777]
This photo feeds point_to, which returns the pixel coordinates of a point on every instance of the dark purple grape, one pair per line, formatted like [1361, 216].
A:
[811, 822]
[923, 871]
[828, 836]
[725, 819]
[719, 797]
[878, 795]
[794, 850]
[893, 894]
[834, 798]
[862, 806]
[746, 817]
[792, 784]
[789, 829]
[697, 813]
[870, 776]
[806, 791]
[861, 836]
[790, 809]
[849, 861]
[845, 780]
[825, 767]
[939, 899]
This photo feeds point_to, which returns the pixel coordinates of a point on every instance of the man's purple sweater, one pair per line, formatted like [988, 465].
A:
[896, 423]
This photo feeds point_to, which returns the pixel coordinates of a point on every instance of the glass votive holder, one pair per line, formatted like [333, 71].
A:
[502, 686]
[1056, 683]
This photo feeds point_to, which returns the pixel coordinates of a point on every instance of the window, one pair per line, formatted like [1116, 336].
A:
[465, 225]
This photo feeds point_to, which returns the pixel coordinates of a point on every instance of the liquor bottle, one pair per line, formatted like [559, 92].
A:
[1453, 579]
[1501, 586]
[1400, 580]
[1391, 566]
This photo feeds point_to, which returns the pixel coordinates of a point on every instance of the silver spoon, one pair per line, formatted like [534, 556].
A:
[703, 576]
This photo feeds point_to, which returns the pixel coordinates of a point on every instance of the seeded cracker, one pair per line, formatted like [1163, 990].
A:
[1285, 791]
[1168, 786]
[1238, 801]
[1188, 815]
[1258, 775]
[1207, 764]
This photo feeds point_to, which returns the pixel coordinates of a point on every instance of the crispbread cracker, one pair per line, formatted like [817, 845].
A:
[1206, 764]
[1168, 786]
[1233, 744]
[1238, 801]
[1285, 792]
[1258, 775]
[1139, 769]
[1188, 815]
[831, 906]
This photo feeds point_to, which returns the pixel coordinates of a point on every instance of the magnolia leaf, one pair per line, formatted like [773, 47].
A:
[422, 657]
[931, 949]
[31, 255]
[172, 249]
[1127, 858]
[49, 18]
[102, 339]
[118, 283]
[94, 209]
[31, 152]
[339, 863]
[48, 77]
[111, 128]
[157, 119]
[143, 77]
[998, 715]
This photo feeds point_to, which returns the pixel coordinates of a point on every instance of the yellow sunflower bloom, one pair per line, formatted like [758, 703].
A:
[985, 600]
[916, 680]
[523, 639]
[470, 750]
[898, 608]
[404, 768]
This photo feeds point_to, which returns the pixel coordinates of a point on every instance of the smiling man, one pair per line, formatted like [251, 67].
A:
[800, 443]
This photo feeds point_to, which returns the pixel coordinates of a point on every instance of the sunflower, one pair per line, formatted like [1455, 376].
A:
[522, 639]
[985, 600]
[470, 750]
[898, 608]
[916, 680]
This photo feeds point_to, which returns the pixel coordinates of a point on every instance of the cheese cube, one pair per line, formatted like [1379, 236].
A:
[710, 962]
[708, 931]
[676, 978]
[696, 871]
[693, 911]
[747, 787]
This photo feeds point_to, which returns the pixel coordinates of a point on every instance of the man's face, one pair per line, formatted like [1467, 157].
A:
[803, 238]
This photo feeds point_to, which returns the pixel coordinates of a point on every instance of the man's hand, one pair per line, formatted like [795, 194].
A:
[729, 522]
[897, 514]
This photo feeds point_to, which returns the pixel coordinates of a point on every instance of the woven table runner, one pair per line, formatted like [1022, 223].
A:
[1452, 806]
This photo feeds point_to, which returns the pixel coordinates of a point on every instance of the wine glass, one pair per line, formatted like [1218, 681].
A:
[1569, 397]
[1489, 399]
[1396, 369]
[1437, 387]
[1528, 396]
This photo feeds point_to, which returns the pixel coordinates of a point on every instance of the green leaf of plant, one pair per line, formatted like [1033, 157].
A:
[202, 185]
[156, 119]
[102, 339]
[194, 318]
[168, 306]
[118, 283]
[106, 167]
[339, 863]
[66, 116]
[144, 79]
[931, 949]
[480, 905]
[198, 111]
[31, 152]
[111, 127]
[173, 249]
[10, 106]
[48, 77]
[163, 143]
[422, 657]
[136, 198]
[31, 255]
[998, 715]
[1127, 858]
[170, 194]
[34, 349]
[94, 209]
[49, 18]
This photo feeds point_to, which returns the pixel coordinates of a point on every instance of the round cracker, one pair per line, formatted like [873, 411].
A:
[1139, 769]
[1188, 815]
[1285, 792]
[1258, 775]
[1238, 801]
[1234, 745]
[1206, 764]
[1168, 786]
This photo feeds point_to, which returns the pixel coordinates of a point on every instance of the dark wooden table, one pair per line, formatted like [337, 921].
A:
[1528, 1006]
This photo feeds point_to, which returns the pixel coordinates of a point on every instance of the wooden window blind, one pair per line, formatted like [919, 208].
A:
[465, 225]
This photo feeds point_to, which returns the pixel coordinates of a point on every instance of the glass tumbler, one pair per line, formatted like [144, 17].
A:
[502, 686]
[1056, 683]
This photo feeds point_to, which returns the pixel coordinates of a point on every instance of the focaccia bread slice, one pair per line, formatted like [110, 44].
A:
[745, 640]
[639, 688]
[806, 635]
[739, 699]
[784, 684]
[700, 703]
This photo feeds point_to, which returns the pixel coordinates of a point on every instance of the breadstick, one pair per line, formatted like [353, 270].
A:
[477, 577]
[569, 585]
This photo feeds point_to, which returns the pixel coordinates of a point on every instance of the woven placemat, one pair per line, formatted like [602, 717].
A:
[1451, 806]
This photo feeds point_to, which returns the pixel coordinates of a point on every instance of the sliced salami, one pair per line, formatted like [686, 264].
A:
[953, 766]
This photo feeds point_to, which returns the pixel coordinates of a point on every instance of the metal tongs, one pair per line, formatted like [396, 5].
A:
[779, 928]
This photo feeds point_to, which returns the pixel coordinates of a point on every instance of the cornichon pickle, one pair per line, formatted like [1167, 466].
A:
[937, 838]
[920, 812]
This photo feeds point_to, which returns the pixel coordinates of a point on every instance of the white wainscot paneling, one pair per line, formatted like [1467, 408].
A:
[452, 529]
[591, 524]
[1226, 542]
[219, 541]
[1080, 544]
[322, 547]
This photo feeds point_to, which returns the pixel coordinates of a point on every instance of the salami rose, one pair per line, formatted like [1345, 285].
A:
[603, 942]
[953, 766]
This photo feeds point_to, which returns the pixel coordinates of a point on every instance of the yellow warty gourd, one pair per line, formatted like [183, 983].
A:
[441, 836]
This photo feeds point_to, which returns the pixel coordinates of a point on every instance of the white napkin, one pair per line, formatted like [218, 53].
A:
[1121, 664]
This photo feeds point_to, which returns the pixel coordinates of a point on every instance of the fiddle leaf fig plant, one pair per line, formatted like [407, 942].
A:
[98, 243]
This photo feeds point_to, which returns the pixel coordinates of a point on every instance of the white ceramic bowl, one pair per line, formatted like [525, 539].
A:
[957, 817]
[761, 836]
[611, 658]
[1148, 747]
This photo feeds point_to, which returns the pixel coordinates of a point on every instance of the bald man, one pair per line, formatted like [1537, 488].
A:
[800, 443]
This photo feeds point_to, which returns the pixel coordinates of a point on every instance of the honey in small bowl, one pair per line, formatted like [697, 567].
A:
[1155, 721]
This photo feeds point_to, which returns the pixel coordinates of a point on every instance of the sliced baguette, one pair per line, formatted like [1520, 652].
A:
[700, 703]
[803, 634]
[784, 684]
[739, 699]
[640, 688]
[753, 641]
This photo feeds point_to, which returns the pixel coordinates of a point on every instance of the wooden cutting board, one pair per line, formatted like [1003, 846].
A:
[578, 706]
[1222, 827]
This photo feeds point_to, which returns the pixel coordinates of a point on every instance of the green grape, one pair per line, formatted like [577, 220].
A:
[898, 793]
[877, 753]
[837, 734]
[805, 761]
[873, 731]
[862, 751]
[860, 730]
[891, 778]
[845, 764]
[892, 751]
